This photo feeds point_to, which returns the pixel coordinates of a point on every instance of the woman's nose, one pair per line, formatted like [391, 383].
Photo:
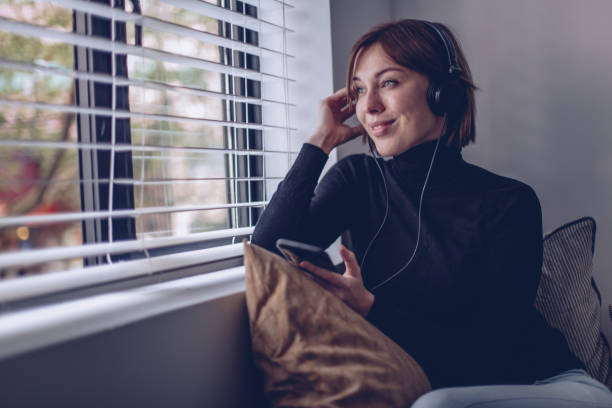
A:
[373, 102]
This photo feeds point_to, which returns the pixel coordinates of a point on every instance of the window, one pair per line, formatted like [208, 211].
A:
[136, 137]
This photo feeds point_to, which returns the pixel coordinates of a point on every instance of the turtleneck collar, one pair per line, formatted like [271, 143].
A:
[411, 166]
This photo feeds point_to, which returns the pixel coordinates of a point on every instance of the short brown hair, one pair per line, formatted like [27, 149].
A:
[416, 46]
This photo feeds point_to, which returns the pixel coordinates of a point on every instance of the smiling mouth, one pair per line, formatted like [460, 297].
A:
[380, 128]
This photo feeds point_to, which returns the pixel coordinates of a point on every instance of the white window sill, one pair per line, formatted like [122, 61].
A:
[38, 327]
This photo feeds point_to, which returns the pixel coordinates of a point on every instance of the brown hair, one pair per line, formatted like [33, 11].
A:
[416, 46]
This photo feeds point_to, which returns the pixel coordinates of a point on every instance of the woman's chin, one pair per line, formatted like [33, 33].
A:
[386, 150]
[395, 149]
[383, 152]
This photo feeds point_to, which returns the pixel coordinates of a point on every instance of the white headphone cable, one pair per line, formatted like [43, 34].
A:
[386, 209]
[387, 212]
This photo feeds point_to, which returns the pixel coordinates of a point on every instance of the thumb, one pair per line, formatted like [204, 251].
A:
[356, 131]
[350, 261]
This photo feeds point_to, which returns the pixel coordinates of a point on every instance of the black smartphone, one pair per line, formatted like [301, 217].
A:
[296, 252]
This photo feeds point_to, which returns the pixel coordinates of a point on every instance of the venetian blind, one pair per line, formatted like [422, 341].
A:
[136, 137]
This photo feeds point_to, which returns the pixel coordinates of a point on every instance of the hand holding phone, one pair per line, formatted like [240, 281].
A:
[348, 286]
[296, 252]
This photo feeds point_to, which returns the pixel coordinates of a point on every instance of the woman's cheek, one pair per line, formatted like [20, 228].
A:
[360, 115]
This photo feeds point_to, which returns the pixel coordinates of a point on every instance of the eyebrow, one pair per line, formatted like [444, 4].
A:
[379, 73]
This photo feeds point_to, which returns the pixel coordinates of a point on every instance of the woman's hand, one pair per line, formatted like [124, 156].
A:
[331, 130]
[348, 287]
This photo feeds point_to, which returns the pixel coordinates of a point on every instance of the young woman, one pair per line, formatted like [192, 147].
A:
[446, 256]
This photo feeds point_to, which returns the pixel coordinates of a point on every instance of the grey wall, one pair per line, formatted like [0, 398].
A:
[544, 72]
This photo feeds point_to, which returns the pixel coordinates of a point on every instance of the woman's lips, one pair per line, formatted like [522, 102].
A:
[379, 128]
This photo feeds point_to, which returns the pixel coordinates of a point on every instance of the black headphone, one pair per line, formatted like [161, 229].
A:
[445, 95]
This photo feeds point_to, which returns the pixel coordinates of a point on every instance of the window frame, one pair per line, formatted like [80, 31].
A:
[95, 165]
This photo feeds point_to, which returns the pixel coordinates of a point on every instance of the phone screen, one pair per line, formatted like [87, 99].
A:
[296, 252]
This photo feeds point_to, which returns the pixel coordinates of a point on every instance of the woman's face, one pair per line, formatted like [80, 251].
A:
[392, 103]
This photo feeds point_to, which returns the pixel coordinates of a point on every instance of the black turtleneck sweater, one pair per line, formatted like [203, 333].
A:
[463, 308]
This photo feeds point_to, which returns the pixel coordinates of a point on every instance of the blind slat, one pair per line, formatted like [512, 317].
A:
[115, 213]
[220, 13]
[135, 148]
[277, 2]
[35, 256]
[121, 114]
[97, 43]
[135, 182]
[107, 79]
[151, 22]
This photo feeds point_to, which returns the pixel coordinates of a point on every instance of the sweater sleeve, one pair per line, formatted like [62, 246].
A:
[302, 210]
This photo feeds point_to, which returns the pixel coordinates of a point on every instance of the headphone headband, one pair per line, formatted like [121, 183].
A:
[453, 65]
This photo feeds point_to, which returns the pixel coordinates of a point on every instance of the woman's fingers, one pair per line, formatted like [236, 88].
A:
[339, 101]
[326, 285]
[339, 98]
[347, 254]
[344, 114]
[324, 278]
[350, 260]
[331, 130]
[327, 276]
[348, 287]
[357, 131]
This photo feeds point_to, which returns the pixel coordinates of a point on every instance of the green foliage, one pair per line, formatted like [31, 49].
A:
[27, 49]
[22, 122]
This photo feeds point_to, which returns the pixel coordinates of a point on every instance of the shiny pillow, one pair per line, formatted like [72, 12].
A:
[315, 351]
[568, 298]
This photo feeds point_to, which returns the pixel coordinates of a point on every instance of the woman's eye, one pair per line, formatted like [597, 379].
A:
[389, 83]
[359, 91]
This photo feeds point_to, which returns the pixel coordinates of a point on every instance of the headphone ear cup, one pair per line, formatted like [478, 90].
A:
[447, 97]
[434, 94]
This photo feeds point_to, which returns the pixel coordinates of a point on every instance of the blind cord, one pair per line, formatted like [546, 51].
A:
[113, 138]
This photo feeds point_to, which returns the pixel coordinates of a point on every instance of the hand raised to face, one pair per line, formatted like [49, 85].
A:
[331, 130]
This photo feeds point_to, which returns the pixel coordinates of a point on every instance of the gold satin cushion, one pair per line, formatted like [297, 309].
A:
[313, 350]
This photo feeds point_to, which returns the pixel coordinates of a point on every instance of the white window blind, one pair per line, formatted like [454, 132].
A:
[136, 137]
